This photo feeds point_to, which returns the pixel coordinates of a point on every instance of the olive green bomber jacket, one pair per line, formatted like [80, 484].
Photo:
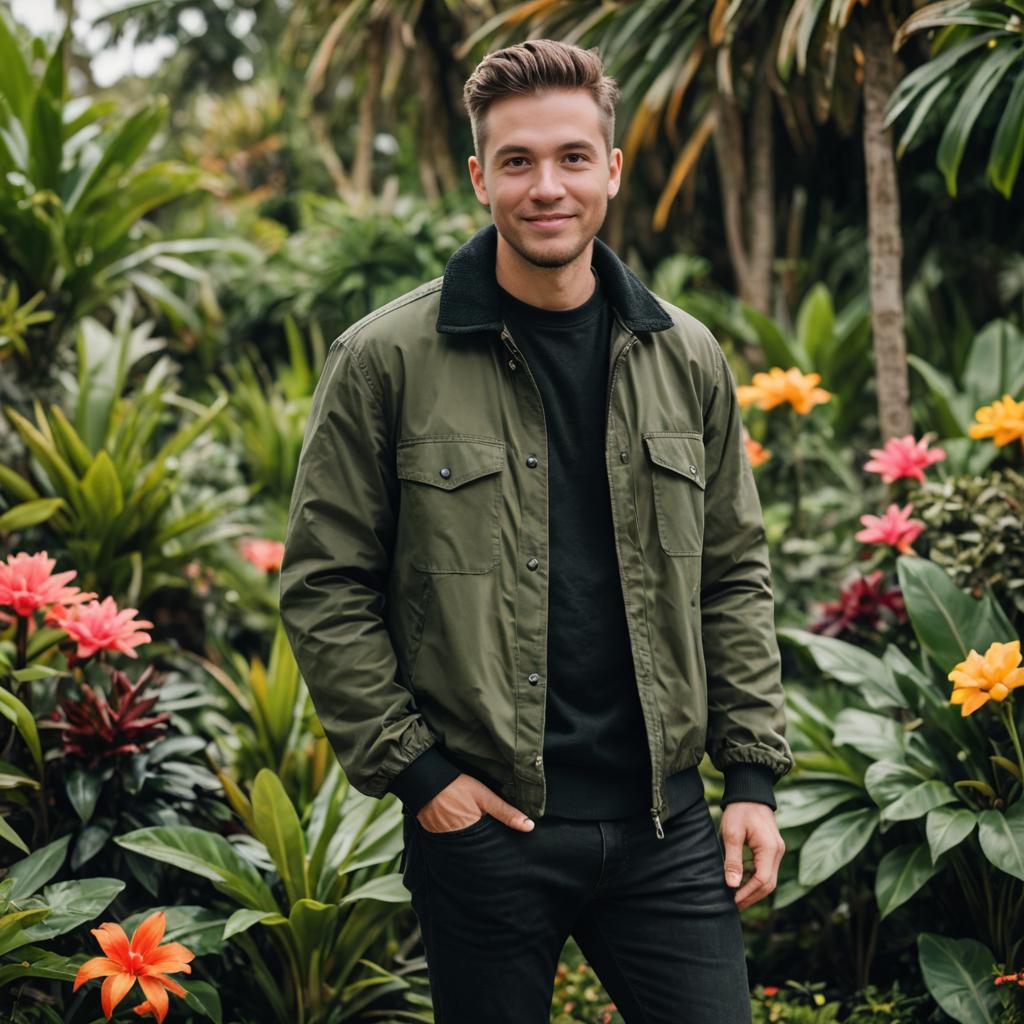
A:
[414, 589]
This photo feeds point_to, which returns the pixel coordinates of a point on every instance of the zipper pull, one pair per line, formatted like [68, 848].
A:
[657, 823]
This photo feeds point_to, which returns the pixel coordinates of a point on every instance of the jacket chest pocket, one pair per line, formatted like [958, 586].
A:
[677, 475]
[451, 501]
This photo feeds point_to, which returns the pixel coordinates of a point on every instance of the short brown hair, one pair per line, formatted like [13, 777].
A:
[531, 67]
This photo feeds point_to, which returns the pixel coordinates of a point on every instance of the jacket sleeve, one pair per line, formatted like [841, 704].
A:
[338, 544]
[746, 703]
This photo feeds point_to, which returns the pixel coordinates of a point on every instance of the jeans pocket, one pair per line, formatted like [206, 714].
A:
[477, 826]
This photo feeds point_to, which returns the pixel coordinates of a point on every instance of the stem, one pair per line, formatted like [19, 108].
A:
[1011, 726]
[21, 642]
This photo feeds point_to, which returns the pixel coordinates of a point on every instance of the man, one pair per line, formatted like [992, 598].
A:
[526, 581]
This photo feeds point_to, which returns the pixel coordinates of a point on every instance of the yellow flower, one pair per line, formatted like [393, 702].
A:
[778, 386]
[1003, 421]
[979, 679]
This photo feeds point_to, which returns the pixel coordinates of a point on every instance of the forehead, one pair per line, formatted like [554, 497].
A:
[544, 120]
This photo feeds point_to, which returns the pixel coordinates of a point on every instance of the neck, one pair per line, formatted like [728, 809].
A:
[564, 287]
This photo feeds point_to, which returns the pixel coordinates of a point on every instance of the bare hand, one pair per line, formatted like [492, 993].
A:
[463, 802]
[753, 824]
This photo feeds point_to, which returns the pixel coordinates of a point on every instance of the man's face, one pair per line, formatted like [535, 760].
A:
[547, 175]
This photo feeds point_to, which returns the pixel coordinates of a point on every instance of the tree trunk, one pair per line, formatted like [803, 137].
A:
[885, 242]
[362, 166]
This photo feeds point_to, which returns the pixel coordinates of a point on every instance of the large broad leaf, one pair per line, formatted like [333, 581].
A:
[277, 825]
[242, 920]
[83, 789]
[948, 622]
[202, 997]
[8, 834]
[875, 736]
[917, 802]
[948, 827]
[32, 873]
[957, 973]
[312, 925]
[1002, 838]
[21, 718]
[804, 802]
[73, 903]
[40, 963]
[901, 872]
[995, 363]
[207, 855]
[887, 781]
[835, 843]
[852, 665]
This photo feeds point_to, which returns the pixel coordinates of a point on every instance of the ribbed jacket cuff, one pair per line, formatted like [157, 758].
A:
[419, 782]
[753, 782]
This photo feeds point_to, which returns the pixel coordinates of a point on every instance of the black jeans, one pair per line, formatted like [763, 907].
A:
[654, 917]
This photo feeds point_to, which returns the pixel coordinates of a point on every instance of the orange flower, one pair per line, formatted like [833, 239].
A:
[756, 452]
[99, 626]
[143, 960]
[264, 554]
[977, 679]
[777, 386]
[1003, 421]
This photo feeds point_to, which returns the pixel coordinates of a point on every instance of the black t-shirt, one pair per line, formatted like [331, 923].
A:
[596, 758]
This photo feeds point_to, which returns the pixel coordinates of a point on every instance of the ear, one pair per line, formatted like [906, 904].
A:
[476, 176]
[614, 172]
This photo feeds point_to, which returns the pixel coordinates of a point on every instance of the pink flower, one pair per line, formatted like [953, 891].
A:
[27, 583]
[99, 626]
[895, 528]
[903, 456]
[264, 554]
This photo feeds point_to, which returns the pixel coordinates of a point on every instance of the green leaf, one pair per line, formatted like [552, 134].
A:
[242, 920]
[32, 873]
[973, 97]
[15, 712]
[948, 827]
[800, 804]
[835, 843]
[83, 788]
[917, 802]
[30, 513]
[40, 963]
[815, 323]
[202, 997]
[102, 489]
[947, 622]
[957, 973]
[1002, 838]
[875, 736]
[33, 672]
[312, 924]
[73, 903]
[277, 826]
[386, 888]
[1008, 144]
[198, 928]
[887, 781]
[8, 833]
[901, 873]
[205, 854]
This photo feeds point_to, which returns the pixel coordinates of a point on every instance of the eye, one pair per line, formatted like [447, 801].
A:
[582, 156]
[508, 162]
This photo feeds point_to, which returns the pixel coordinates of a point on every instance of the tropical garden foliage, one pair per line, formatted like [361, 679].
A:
[833, 187]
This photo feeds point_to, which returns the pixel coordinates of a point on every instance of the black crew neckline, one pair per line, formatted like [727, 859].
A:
[517, 309]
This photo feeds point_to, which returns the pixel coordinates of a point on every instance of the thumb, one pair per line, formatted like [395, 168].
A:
[733, 861]
[511, 816]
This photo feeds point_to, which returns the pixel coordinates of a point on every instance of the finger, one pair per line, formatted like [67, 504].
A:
[733, 845]
[509, 815]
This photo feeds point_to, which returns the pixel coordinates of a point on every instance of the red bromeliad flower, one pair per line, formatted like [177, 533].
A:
[895, 528]
[903, 456]
[28, 583]
[143, 960]
[264, 554]
[860, 605]
[93, 729]
[99, 626]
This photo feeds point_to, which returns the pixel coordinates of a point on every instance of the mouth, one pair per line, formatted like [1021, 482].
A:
[553, 220]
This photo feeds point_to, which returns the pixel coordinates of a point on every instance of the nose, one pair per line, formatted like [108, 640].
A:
[546, 185]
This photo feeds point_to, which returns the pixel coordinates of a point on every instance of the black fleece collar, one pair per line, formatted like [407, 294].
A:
[469, 291]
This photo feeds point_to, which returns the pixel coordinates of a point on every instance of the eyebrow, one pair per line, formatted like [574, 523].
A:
[578, 144]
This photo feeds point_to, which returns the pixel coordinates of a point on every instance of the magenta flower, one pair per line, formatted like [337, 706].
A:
[99, 626]
[862, 605]
[28, 583]
[903, 456]
[264, 554]
[895, 528]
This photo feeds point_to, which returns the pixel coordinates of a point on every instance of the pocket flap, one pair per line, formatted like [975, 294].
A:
[448, 462]
[682, 453]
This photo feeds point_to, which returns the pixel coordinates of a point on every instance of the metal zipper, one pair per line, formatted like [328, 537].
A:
[657, 794]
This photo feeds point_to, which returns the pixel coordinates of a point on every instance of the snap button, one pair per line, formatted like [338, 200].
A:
[532, 564]
[511, 364]
[446, 472]
[533, 679]
[532, 461]
[693, 470]
[538, 761]
[624, 455]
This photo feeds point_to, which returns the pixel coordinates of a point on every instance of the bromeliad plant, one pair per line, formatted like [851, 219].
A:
[892, 752]
[321, 891]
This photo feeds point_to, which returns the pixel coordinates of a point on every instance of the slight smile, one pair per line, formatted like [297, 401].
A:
[549, 222]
